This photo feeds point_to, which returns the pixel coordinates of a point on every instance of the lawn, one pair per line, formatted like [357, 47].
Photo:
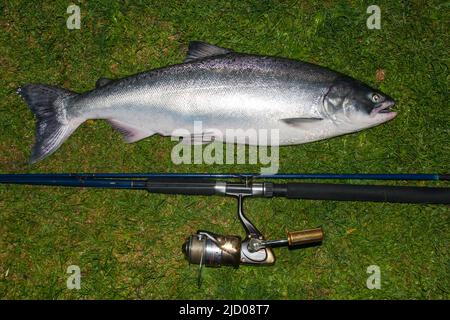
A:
[128, 243]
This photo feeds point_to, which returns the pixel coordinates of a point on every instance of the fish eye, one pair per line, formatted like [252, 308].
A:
[376, 97]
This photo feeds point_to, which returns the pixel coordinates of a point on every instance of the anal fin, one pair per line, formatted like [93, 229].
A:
[129, 132]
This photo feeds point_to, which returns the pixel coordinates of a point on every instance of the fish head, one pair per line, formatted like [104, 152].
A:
[353, 104]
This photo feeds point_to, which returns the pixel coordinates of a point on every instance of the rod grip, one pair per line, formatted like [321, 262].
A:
[350, 192]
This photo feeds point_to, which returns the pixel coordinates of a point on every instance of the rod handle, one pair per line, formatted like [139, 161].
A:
[354, 192]
[296, 238]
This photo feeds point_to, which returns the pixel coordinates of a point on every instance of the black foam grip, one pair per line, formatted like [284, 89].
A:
[349, 192]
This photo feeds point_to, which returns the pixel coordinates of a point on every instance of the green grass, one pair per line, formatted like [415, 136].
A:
[127, 243]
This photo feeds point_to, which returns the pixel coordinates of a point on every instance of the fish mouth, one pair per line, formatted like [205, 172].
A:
[384, 109]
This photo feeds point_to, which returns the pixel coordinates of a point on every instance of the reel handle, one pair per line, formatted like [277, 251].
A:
[297, 238]
[294, 238]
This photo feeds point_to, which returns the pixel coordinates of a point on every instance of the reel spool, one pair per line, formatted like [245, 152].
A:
[213, 250]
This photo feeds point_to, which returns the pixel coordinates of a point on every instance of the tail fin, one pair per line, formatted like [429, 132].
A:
[52, 125]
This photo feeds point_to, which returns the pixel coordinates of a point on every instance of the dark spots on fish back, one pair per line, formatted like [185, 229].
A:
[230, 63]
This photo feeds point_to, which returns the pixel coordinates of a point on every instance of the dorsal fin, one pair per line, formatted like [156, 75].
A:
[102, 82]
[199, 50]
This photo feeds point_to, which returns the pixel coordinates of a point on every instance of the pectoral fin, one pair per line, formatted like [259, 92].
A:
[129, 132]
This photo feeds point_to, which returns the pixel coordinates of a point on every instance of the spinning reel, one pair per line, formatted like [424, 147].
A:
[212, 250]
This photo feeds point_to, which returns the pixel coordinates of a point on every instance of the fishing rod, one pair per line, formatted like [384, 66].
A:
[201, 184]
[209, 249]
[299, 176]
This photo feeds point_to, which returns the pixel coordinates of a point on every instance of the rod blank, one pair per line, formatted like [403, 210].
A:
[337, 176]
